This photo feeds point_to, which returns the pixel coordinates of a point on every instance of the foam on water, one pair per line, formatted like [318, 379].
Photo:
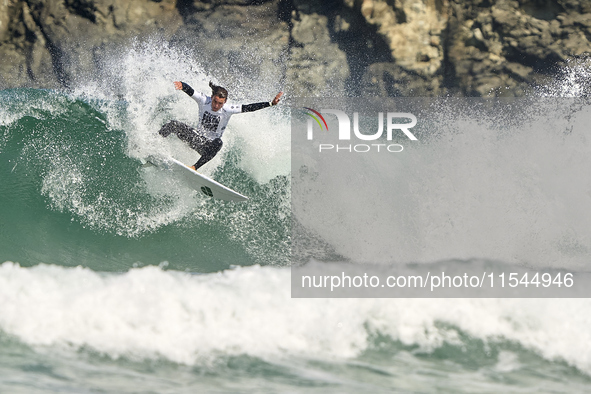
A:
[16, 104]
[193, 319]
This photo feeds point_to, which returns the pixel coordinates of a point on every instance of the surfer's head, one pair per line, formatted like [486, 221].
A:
[219, 96]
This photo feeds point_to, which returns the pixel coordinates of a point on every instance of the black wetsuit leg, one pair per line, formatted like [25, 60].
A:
[208, 150]
[182, 130]
[205, 147]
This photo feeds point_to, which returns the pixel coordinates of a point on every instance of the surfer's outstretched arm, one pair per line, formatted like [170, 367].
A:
[257, 106]
[184, 87]
[245, 108]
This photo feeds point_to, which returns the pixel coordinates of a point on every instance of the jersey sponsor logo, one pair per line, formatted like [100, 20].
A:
[210, 122]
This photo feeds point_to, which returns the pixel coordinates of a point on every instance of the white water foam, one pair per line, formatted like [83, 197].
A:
[572, 80]
[193, 319]
[17, 104]
[66, 186]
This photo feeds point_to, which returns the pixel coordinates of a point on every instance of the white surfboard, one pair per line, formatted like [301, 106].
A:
[200, 182]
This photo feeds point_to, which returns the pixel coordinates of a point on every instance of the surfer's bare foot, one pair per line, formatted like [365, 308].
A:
[192, 167]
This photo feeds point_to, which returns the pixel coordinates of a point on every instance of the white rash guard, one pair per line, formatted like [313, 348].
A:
[212, 124]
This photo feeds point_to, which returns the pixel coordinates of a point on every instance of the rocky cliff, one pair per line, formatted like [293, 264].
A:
[311, 48]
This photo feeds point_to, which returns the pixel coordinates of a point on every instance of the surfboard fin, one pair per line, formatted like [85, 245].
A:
[147, 163]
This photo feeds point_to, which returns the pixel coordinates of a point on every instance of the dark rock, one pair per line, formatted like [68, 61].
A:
[333, 47]
[242, 47]
[49, 43]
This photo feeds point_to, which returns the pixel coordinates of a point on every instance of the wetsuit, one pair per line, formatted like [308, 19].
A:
[206, 139]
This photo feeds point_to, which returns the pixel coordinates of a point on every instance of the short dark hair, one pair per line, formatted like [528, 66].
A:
[218, 91]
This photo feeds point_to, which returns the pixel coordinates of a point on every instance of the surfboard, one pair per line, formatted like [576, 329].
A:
[200, 182]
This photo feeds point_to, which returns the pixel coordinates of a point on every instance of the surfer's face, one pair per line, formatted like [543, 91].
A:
[217, 103]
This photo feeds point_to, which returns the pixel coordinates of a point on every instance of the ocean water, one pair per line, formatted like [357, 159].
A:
[117, 278]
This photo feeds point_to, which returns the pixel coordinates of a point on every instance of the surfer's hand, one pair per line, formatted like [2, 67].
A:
[178, 85]
[277, 98]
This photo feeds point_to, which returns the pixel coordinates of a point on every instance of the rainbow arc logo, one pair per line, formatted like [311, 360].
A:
[318, 115]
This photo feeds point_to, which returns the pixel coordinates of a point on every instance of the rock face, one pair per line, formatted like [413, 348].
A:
[509, 46]
[48, 43]
[473, 48]
[414, 32]
[310, 48]
[243, 46]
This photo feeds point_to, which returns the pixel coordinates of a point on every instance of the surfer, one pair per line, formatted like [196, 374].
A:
[214, 115]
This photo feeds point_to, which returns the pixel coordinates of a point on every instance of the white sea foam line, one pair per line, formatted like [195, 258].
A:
[191, 319]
